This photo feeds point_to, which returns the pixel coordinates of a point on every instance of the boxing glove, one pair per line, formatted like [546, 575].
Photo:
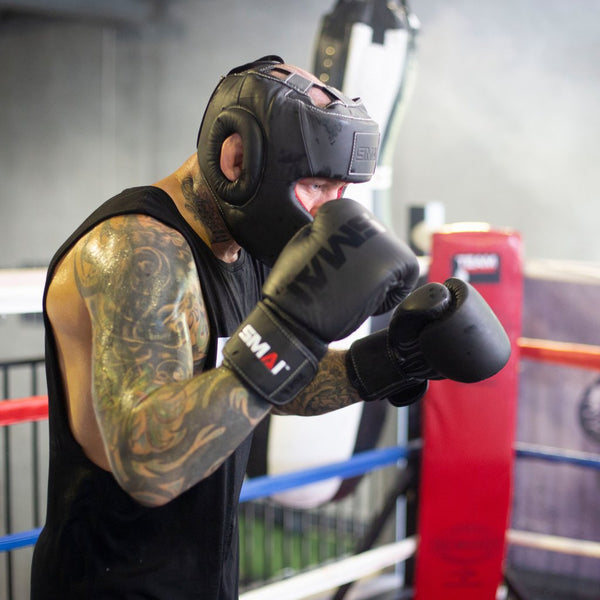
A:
[437, 332]
[333, 274]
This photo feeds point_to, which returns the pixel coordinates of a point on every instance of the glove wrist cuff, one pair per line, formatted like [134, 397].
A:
[412, 391]
[372, 370]
[270, 358]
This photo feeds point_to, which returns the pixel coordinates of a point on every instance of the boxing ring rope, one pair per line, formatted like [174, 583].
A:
[258, 487]
[268, 485]
[564, 353]
[332, 575]
[21, 289]
[554, 543]
[35, 408]
[353, 568]
[551, 454]
[323, 578]
[19, 410]
[359, 464]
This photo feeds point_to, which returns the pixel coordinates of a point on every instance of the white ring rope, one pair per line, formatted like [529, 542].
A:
[21, 289]
[554, 543]
[332, 575]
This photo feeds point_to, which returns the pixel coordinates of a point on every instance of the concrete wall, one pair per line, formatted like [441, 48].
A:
[90, 108]
[502, 124]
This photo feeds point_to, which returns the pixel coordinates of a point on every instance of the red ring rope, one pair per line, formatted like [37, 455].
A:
[566, 353]
[35, 408]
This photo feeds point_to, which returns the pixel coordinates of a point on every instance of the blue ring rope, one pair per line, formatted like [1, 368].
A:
[259, 487]
[548, 453]
[19, 540]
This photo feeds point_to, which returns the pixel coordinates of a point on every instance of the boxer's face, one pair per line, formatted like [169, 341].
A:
[313, 192]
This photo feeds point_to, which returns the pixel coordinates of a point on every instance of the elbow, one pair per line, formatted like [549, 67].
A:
[145, 493]
[140, 484]
[150, 499]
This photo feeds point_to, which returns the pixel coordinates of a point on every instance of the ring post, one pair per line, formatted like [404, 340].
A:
[468, 434]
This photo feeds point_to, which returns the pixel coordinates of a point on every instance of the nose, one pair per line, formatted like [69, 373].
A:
[313, 193]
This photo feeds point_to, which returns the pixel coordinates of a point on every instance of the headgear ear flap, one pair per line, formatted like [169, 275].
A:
[234, 120]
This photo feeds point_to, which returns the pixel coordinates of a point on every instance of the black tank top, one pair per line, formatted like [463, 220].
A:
[99, 543]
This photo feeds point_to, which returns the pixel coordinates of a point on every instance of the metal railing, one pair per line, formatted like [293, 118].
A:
[23, 468]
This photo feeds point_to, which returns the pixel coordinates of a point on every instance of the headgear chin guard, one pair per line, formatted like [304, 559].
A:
[285, 137]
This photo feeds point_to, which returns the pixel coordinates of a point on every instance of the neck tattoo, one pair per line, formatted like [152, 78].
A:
[203, 210]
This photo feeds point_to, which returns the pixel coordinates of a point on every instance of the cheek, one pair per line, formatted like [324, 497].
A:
[306, 204]
[311, 202]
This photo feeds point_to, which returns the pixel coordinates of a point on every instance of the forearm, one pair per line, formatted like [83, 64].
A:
[329, 390]
[181, 433]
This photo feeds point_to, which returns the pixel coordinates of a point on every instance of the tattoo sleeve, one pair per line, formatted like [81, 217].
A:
[164, 426]
[328, 391]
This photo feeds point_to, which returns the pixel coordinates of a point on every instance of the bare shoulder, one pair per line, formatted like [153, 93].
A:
[118, 247]
[130, 246]
[129, 269]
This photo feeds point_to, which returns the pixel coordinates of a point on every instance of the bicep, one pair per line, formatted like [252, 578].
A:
[138, 280]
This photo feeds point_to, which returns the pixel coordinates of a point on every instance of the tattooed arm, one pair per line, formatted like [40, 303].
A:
[328, 391]
[164, 424]
[164, 427]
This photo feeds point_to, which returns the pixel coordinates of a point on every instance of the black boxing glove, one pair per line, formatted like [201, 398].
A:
[333, 274]
[437, 332]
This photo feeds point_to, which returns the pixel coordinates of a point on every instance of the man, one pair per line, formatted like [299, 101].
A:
[149, 432]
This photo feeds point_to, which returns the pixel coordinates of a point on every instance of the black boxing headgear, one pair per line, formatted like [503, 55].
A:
[285, 137]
